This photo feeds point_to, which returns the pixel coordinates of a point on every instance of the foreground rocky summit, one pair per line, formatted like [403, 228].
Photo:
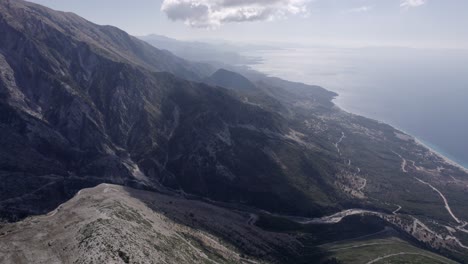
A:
[114, 224]
[294, 178]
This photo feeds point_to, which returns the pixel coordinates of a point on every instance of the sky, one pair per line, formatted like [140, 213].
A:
[408, 23]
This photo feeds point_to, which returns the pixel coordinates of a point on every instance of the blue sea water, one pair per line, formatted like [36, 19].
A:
[423, 92]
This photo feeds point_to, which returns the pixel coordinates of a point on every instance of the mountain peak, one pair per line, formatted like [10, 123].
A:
[60, 31]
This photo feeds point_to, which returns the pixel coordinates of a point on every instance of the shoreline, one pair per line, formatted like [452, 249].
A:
[418, 141]
[438, 153]
[433, 149]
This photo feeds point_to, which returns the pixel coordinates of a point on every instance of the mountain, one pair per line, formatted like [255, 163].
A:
[225, 53]
[83, 104]
[114, 224]
[34, 23]
[230, 80]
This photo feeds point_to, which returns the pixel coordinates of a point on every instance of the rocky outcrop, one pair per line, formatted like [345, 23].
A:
[113, 224]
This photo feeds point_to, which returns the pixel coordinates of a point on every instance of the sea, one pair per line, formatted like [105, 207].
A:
[423, 92]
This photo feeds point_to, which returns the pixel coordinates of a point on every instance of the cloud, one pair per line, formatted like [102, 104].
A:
[359, 9]
[214, 13]
[412, 3]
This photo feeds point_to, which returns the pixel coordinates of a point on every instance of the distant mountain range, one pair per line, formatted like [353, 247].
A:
[217, 52]
[221, 165]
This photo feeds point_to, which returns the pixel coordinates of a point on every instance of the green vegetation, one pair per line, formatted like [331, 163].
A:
[391, 250]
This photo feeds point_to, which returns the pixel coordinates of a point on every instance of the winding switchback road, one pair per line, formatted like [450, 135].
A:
[397, 210]
[338, 142]
[403, 162]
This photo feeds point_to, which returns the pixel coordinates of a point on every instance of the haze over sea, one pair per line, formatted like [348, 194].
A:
[422, 92]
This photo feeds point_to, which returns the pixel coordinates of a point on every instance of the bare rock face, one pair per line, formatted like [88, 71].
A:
[107, 224]
[116, 224]
[83, 104]
[113, 224]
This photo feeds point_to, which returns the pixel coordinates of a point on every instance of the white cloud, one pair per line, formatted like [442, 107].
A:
[412, 3]
[359, 9]
[213, 13]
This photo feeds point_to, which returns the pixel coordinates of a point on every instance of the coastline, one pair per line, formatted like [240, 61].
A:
[449, 159]
[438, 153]
[418, 141]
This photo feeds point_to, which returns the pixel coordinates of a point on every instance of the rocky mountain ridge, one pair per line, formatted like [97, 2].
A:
[83, 104]
[82, 110]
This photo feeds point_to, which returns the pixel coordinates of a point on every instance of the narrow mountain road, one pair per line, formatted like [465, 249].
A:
[336, 218]
[403, 166]
[337, 144]
[418, 222]
[447, 206]
[364, 184]
[348, 163]
[364, 181]
[462, 227]
[403, 162]
[397, 210]
[330, 219]
[459, 243]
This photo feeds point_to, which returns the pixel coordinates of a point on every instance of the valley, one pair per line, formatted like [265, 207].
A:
[114, 151]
